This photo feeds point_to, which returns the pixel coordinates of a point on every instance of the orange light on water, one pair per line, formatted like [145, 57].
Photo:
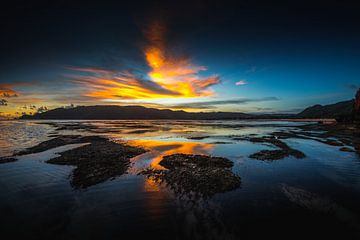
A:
[164, 148]
[158, 149]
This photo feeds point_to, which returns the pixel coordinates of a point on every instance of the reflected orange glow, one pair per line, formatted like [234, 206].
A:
[7, 90]
[163, 148]
[8, 93]
[151, 185]
[159, 149]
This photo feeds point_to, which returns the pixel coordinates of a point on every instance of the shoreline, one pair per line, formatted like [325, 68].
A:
[165, 119]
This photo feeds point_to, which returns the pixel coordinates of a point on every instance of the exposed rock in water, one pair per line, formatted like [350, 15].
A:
[284, 150]
[332, 142]
[342, 135]
[346, 149]
[220, 142]
[142, 131]
[334, 135]
[97, 162]
[59, 126]
[199, 174]
[198, 137]
[7, 159]
[60, 141]
[269, 155]
[319, 137]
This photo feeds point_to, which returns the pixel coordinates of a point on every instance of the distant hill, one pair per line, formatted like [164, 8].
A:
[129, 112]
[110, 112]
[328, 111]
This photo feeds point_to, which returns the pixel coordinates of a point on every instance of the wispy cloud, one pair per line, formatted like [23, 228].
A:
[29, 99]
[264, 109]
[240, 83]
[211, 104]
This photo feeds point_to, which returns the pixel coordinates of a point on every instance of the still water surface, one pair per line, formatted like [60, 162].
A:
[315, 196]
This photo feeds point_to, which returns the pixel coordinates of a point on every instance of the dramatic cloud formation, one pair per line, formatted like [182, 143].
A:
[173, 72]
[170, 75]
[104, 84]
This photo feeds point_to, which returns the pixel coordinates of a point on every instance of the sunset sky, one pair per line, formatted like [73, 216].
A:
[244, 56]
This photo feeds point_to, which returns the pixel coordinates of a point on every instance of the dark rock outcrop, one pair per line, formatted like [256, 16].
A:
[97, 162]
[346, 149]
[269, 155]
[198, 174]
[7, 159]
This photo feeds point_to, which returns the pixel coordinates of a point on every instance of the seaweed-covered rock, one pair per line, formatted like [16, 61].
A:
[97, 162]
[190, 161]
[199, 174]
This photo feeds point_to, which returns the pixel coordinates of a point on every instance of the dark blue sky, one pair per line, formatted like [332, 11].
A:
[285, 54]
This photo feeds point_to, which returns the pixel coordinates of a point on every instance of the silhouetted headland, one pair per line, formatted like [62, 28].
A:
[106, 112]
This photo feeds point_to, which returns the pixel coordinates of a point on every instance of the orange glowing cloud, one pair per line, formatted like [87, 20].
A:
[15, 102]
[170, 75]
[6, 91]
[175, 73]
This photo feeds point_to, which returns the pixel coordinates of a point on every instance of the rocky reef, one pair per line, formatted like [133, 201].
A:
[195, 174]
[270, 155]
[343, 135]
[97, 161]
